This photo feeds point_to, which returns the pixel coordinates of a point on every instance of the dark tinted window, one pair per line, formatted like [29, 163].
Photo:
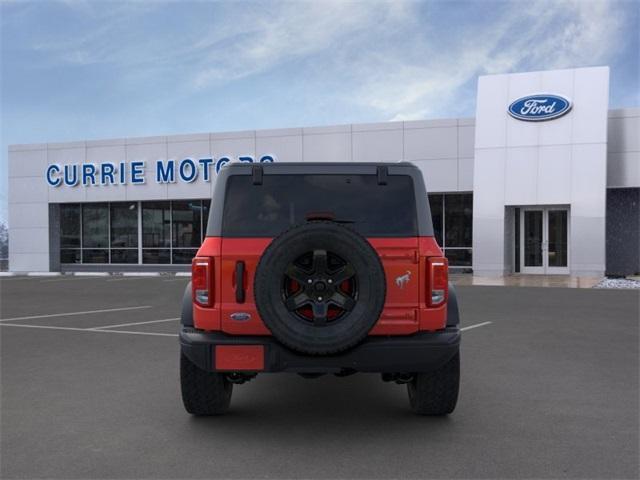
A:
[124, 225]
[437, 215]
[187, 224]
[95, 226]
[458, 220]
[156, 224]
[70, 226]
[286, 200]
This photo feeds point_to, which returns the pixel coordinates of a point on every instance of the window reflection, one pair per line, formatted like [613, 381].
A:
[95, 225]
[452, 215]
[108, 232]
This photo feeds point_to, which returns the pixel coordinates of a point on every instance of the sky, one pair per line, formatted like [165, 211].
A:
[78, 70]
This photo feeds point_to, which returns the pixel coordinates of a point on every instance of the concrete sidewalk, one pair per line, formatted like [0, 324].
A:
[519, 280]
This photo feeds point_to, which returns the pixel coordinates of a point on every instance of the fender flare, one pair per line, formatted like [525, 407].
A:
[453, 314]
[186, 315]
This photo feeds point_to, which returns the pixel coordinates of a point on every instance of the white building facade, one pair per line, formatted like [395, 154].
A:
[545, 179]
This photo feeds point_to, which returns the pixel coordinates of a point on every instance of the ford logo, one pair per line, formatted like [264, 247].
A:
[240, 316]
[536, 108]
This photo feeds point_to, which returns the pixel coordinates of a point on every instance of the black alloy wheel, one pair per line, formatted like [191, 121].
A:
[320, 287]
[323, 293]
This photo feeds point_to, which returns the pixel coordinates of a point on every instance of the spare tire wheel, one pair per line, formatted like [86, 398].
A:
[320, 288]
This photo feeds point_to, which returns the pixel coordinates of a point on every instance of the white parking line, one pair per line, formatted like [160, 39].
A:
[135, 323]
[73, 279]
[122, 279]
[69, 314]
[475, 326]
[47, 327]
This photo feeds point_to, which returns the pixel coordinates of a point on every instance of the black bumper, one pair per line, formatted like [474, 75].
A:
[420, 352]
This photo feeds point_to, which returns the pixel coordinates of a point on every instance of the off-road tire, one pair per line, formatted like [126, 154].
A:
[203, 393]
[436, 392]
[355, 325]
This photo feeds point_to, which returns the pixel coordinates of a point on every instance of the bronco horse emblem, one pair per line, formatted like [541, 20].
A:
[402, 280]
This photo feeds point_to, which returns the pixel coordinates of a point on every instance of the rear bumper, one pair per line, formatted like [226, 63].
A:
[420, 352]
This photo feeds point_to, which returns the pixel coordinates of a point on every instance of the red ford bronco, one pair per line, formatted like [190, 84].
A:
[319, 268]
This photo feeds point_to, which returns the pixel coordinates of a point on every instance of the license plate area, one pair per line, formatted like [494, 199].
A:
[239, 358]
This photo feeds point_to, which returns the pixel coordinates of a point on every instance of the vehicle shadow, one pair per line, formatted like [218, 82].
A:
[358, 405]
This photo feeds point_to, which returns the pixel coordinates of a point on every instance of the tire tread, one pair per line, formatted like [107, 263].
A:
[203, 393]
[436, 393]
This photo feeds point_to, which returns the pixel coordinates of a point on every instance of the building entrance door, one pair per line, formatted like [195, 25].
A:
[544, 240]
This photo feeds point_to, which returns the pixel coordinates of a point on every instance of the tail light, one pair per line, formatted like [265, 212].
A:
[202, 280]
[438, 283]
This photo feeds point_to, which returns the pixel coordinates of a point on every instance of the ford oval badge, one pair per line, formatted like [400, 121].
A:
[536, 108]
[240, 316]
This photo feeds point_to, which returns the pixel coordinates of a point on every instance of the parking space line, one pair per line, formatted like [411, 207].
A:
[475, 326]
[135, 323]
[48, 327]
[69, 314]
[74, 279]
[128, 278]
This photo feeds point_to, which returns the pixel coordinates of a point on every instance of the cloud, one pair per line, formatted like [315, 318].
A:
[398, 59]
[288, 32]
[532, 36]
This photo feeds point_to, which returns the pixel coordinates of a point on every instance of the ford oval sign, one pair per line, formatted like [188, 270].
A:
[536, 108]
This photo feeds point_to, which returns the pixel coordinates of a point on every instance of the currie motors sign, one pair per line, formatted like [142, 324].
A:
[187, 170]
[540, 107]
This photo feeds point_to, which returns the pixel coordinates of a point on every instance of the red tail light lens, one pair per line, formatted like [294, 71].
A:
[438, 281]
[202, 281]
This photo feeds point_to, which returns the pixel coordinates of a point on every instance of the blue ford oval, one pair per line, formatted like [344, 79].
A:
[536, 108]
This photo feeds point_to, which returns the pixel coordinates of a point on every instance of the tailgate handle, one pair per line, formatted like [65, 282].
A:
[240, 282]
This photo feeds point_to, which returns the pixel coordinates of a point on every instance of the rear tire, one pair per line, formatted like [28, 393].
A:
[203, 393]
[436, 392]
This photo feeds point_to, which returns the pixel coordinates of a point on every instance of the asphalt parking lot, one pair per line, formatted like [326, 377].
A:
[549, 390]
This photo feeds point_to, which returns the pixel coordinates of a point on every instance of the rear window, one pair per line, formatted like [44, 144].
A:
[282, 201]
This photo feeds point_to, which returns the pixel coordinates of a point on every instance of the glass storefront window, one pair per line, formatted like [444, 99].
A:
[452, 215]
[70, 238]
[437, 216]
[458, 257]
[558, 238]
[156, 255]
[127, 255]
[70, 255]
[156, 224]
[124, 225]
[95, 256]
[108, 232]
[183, 255]
[458, 221]
[70, 226]
[95, 225]
[186, 224]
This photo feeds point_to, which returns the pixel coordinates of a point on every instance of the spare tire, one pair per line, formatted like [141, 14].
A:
[320, 288]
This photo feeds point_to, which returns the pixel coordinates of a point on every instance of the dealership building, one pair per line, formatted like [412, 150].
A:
[544, 180]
